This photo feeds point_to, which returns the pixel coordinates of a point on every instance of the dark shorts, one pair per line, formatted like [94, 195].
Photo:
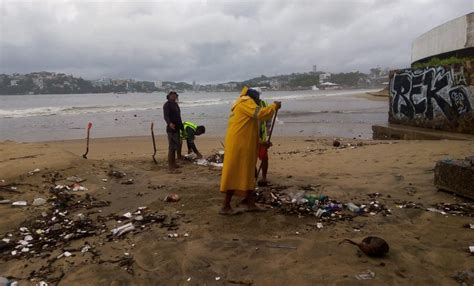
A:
[174, 142]
[262, 153]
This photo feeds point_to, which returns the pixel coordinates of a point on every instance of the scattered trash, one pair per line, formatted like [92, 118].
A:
[20, 204]
[336, 143]
[218, 278]
[469, 225]
[189, 279]
[104, 180]
[116, 174]
[471, 249]
[319, 225]
[76, 187]
[365, 275]
[281, 246]
[459, 209]
[38, 202]
[5, 202]
[353, 208]
[127, 215]
[128, 182]
[123, 229]
[172, 198]
[465, 277]
[436, 211]
[372, 246]
[31, 173]
[75, 179]
[215, 160]
[64, 254]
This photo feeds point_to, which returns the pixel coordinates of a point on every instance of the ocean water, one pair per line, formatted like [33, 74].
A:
[48, 117]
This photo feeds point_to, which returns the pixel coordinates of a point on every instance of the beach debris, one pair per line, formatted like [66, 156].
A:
[31, 173]
[471, 249]
[353, 208]
[458, 209]
[372, 246]
[75, 179]
[104, 180]
[214, 160]
[89, 126]
[365, 275]
[172, 198]
[468, 225]
[38, 202]
[123, 229]
[128, 182]
[76, 187]
[127, 215]
[64, 254]
[281, 246]
[19, 204]
[336, 143]
[6, 282]
[465, 277]
[436, 211]
[319, 225]
[116, 174]
[218, 278]
[5, 202]
[189, 279]
[301, 203]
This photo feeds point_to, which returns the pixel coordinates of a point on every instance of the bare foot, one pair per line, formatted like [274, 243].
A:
[254, 208]
[230, 211]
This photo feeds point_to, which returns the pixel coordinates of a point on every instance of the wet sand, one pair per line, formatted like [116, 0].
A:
[426, 248]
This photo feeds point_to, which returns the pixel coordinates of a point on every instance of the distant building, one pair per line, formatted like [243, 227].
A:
[315, 68]
[158, 84]
[14, 82]
[324, 77]
[102, 82]
[38, 82]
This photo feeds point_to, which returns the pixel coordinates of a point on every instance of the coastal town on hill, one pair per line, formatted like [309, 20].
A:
[60, 83]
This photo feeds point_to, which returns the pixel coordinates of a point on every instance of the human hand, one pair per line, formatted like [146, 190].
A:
[278, 104]
[172, 126]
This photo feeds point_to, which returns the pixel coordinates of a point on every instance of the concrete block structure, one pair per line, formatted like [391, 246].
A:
[455, 176]
[454, 38]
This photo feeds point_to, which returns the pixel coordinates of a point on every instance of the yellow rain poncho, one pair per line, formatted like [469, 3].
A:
[241, 142]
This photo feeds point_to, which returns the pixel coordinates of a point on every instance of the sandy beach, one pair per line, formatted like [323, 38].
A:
[270, 248]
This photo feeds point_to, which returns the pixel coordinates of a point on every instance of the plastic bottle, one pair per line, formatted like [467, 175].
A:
[353, 208]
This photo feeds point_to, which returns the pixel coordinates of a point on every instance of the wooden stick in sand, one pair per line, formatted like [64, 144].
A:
[269, 138]
[89, 126]
[154, 144]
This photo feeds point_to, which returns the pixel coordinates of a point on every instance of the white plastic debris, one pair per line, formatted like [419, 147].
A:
[319, 225]
[127, 215]
[65, 254]
[123, 229]
[6, 240]
[218, 278]
[138, 218]
[42, 283]
[39, 202]
[186, 234]
[104, 180]
[24, 229]
[28, 238]
[5, 202]
[436, 211]
[78, 187]
[20, 204]
[31, 173]
[365, 275]
[14, 252]
[25, 249]
[471, 249]
[189, 279]
[85, 248]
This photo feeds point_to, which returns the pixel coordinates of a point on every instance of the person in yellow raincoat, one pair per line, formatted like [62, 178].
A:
[240, 151]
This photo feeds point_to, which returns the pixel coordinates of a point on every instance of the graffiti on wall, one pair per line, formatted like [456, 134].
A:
[429, 93]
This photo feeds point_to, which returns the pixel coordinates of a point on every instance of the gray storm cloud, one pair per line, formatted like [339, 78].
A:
[213, 41]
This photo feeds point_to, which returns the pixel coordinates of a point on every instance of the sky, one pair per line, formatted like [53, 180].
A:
[213, 41]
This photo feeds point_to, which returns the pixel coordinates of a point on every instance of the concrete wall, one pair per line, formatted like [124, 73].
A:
[436, 97]
[454, 35]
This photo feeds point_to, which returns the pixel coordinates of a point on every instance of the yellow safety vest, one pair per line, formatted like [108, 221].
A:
[262, 132]
[187, 124]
